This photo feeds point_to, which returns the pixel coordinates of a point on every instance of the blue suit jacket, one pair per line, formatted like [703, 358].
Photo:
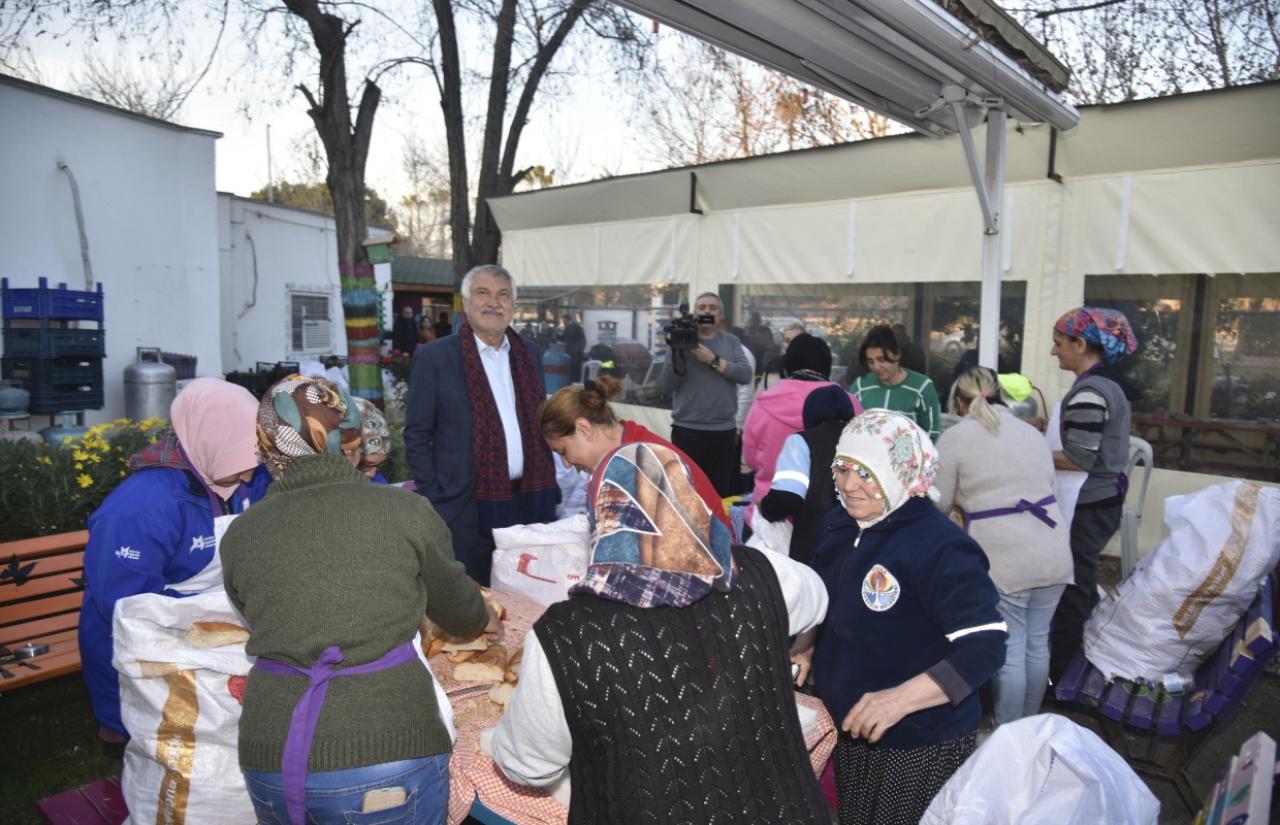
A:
[437, 427]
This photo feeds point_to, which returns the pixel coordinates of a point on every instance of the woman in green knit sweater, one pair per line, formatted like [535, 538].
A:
[889, 385]
[333, 575]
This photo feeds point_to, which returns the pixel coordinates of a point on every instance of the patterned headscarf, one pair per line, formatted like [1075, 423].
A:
[1108, 329]
[654, 540]
[373, 429]
[894, 452]
[302, 416]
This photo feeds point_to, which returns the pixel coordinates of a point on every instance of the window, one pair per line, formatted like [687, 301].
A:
[310, 326]
[1206, 375]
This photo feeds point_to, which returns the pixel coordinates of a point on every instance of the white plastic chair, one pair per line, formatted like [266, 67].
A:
[1131, 517]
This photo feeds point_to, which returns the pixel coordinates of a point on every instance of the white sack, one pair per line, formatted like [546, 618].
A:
[541, 561]
[772, 536]
[1043, 770]
[1184, 596]
[181, 764]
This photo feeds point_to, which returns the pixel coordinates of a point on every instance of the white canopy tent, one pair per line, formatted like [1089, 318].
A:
[910, 60]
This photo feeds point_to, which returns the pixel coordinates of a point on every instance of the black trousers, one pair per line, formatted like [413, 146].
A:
[715, 451]
[473, 542]
[1092, 527]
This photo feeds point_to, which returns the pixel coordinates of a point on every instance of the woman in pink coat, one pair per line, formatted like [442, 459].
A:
[779, 411]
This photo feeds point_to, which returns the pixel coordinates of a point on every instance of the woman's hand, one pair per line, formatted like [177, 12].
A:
[880, 710]
[804, 661]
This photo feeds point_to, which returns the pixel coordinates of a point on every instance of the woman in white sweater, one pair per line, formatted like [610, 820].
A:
[998, 470]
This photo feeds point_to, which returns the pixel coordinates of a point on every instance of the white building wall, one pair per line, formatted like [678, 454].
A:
[147, 191]
[267, 252]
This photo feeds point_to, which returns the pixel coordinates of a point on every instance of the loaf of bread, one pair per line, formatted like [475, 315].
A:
[216, 634]
[489, 666]
[501, 694]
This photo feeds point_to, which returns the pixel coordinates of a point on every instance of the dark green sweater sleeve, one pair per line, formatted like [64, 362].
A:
[453, 598]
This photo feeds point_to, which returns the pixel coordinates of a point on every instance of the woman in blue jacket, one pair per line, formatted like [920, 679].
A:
[912, 630]
[158, 531]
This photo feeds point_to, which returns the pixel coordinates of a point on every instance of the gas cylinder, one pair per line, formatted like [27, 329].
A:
[149, 386]
[555, 367]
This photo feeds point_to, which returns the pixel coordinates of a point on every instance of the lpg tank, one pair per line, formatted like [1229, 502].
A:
[149, 386]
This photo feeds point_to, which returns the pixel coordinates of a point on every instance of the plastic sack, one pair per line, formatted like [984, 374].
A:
[1043, 770]
[541, 561]
[1184, 597]
[181, 708]
[772, 536]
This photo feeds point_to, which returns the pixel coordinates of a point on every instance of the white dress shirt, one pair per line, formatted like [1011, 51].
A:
[532, 744]
[497, 368]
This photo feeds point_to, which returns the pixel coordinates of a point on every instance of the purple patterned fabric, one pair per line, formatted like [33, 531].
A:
[1108, 329]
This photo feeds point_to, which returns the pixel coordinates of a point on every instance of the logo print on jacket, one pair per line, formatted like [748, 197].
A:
[202, 543]
[880, 590]
[128, 553]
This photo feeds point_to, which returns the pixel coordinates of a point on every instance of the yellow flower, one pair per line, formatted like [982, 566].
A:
[121, 422]
[79, 465]
[122, 473]
[80, 455]
[95, 457]
[44, 459]
[85, 480]
[154, 439]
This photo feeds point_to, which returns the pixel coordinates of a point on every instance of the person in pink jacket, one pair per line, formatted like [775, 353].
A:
[779, 411]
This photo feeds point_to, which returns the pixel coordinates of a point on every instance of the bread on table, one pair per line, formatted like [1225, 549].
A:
[489, 666]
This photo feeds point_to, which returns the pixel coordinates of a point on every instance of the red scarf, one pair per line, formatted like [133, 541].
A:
[488, 439]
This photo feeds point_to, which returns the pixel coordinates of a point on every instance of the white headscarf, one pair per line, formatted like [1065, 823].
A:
[899, 457]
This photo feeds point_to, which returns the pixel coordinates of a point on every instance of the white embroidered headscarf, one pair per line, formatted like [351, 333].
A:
[897, 455]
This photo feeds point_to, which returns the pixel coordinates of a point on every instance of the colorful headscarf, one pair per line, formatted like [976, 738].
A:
[894, 452]
[1108, 329]
[213, 420]
[654, 542]
[373, 428]
[302, 416]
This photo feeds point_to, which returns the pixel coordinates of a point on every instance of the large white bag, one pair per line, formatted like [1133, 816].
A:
[181, 764]
[1043, 770]
[1183, 597]
[541, 561]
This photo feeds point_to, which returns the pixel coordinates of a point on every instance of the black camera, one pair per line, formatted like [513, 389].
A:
[682, 332]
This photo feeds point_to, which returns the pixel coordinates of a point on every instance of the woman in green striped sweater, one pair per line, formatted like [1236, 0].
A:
[891, 386]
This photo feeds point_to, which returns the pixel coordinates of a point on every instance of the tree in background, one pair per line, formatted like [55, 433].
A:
[424, 212]
[129, 85]
[699, 104]
[1126, 50]
[316, 196]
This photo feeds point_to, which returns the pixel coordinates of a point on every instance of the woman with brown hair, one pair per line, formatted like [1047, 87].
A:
[580, 426]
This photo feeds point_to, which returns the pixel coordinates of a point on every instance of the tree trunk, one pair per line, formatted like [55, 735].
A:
[347, 150]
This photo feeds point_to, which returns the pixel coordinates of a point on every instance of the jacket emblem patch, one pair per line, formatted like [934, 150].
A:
[880, 590]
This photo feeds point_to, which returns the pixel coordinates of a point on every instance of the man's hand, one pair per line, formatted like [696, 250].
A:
[703, 354]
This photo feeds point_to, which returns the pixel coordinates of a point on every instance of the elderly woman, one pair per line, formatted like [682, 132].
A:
[913, 629]
[1095, 438]
[333, 575]
[375, 441]
[662, 684]
[998, 470]
[158, 532]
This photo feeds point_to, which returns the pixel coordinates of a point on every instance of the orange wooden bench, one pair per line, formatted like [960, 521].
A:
[41, 588]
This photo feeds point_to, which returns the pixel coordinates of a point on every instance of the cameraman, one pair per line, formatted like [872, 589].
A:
[704, 395]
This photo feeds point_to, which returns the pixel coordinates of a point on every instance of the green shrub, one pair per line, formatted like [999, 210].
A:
[53, 489]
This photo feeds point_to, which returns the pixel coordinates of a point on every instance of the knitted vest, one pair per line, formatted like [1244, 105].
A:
[822, 493]
[682, 715]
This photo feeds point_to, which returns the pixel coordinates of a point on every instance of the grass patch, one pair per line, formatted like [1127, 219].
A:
[50, 744]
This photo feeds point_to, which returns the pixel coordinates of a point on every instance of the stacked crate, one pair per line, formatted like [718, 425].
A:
[49, 348]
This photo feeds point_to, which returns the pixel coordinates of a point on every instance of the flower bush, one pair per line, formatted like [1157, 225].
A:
[48, 489]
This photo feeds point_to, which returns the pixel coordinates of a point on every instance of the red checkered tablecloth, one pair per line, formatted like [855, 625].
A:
[473, 774]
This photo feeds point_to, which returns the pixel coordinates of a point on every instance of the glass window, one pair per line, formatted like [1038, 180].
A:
[622, 324]
[937, 323]
[1245, 381]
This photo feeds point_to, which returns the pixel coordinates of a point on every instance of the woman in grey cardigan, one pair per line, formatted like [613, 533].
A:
[998, 470]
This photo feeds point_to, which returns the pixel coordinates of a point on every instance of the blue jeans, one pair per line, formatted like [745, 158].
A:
[1020, 684]
[338, 796]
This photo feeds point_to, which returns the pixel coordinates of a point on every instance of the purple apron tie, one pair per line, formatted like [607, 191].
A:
[1035, 508]
[302, 726]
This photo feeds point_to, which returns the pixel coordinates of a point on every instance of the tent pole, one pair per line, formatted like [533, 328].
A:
[993, 186]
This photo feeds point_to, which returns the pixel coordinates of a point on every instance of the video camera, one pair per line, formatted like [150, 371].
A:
[682, 332]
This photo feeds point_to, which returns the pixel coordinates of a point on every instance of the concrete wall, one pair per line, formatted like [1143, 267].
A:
[147, 191]
[266, 252]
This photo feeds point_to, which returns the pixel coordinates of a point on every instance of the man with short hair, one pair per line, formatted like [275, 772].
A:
[704, 395]
[471, 423]
[404, 335]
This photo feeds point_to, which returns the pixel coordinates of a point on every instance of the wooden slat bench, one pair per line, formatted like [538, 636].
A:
[1172, 727]
[40, 597]
[98, 803]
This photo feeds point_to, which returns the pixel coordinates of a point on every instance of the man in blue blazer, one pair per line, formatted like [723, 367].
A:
[471, 423]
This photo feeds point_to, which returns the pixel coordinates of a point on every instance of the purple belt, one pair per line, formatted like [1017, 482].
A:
[302, 726]
[1035, 508]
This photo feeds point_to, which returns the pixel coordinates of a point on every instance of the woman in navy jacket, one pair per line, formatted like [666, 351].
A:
[912, 630]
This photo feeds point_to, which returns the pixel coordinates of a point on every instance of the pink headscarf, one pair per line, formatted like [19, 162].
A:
[216, 424]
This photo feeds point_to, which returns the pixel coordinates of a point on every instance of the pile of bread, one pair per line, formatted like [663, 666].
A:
[482, 659]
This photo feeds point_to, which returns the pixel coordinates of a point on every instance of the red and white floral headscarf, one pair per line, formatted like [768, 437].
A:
[890, 449]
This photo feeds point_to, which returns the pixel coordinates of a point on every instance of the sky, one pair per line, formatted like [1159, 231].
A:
[582, 133]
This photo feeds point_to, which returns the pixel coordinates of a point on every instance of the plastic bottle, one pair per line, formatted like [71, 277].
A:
[1177, 682]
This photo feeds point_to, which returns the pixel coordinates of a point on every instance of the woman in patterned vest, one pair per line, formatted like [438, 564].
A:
[662, 685]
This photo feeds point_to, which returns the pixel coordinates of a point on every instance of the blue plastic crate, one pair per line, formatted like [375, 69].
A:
[40, 372]
[66, 398]
[41, 342]
[46, 303]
